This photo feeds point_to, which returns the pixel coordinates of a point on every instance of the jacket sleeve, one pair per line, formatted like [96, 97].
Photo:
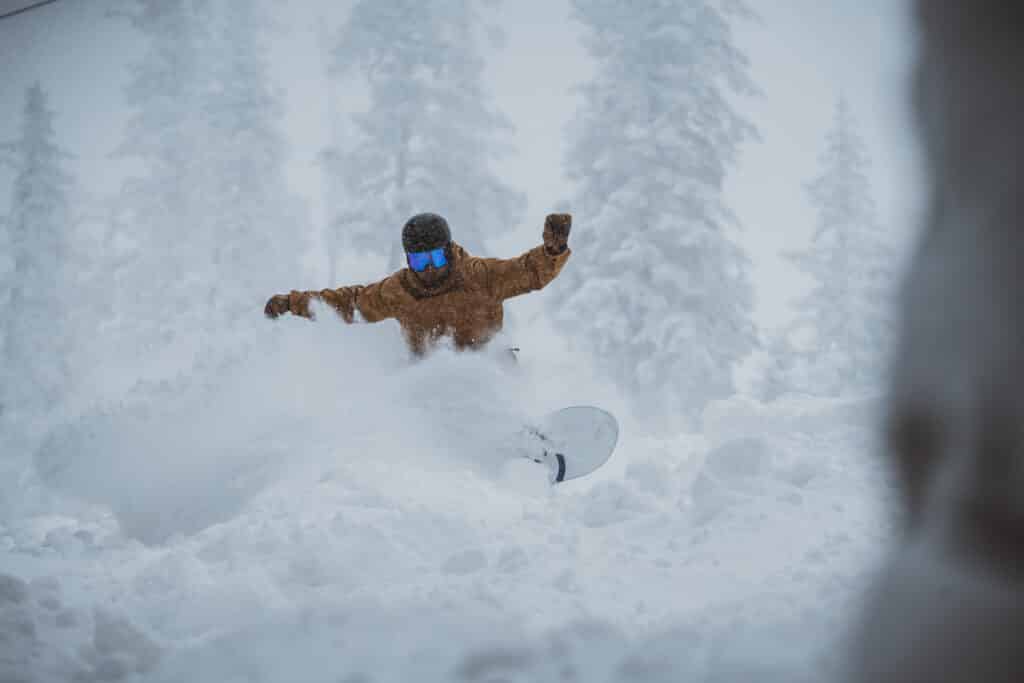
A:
[371, 302]
[526, 273]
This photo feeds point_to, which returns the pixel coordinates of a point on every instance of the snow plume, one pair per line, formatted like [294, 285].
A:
[176, 456]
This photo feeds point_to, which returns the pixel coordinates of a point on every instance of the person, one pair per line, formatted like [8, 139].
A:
[444, 292]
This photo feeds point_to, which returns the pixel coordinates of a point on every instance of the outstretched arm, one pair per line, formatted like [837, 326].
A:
[536, 268]
[369, 301]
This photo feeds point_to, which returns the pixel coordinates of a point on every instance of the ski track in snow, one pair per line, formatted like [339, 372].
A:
[321, 510]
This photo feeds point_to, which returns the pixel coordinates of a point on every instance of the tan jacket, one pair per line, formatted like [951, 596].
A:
[467, 306]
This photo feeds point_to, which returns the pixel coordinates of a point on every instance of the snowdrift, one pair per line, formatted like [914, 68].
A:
[320, 509]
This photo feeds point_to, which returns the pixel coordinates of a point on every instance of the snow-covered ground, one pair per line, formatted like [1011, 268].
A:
[320, 509]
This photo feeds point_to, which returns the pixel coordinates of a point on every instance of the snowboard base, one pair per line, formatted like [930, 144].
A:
[571, 442]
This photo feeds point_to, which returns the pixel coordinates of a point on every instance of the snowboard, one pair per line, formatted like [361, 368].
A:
[571, 442]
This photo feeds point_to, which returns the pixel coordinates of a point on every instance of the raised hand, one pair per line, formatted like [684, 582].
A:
[556, 232]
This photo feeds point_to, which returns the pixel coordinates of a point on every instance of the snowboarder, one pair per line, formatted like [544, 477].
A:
[444, 291]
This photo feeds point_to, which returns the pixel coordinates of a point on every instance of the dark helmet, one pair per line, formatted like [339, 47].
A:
[425, 231]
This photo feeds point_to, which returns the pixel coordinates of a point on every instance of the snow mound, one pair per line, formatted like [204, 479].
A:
[321, 509]
[44, 639]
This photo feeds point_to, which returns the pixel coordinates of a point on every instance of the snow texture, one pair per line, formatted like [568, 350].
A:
[323, 521]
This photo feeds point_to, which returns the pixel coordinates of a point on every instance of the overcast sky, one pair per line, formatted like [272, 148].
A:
[805, 53]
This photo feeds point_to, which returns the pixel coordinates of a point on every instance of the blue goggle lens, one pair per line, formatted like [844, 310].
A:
[419, 260]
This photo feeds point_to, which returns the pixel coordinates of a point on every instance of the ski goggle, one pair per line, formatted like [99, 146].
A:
[419, 260]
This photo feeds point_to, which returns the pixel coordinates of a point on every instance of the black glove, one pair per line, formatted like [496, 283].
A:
[276, 305]
[556, 232]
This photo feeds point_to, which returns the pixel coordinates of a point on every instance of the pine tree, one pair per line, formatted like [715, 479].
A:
[659, 290]
[6, 285]
[165, 259]
[214, 227]
[847, 313]
[35, 374]
[330, 161]
[430, 135]
[260, 227]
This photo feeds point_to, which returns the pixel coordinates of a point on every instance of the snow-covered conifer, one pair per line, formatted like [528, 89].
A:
[213, 227]
[658, 289]
[847, 315]
[260, 226]
[164, 244]
[34, 369]
[430, 134]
